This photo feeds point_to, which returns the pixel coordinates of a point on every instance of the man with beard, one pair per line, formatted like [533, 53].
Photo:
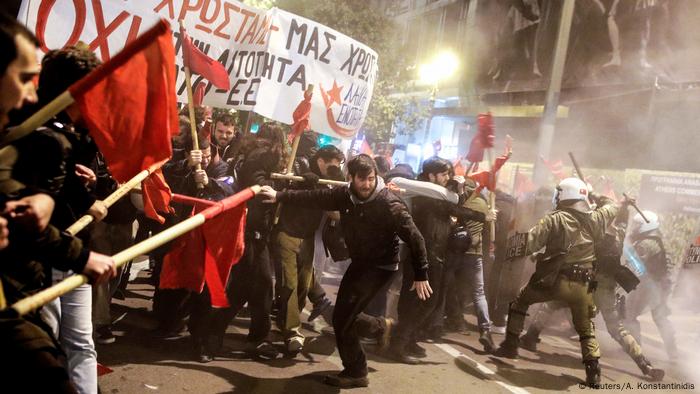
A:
[433, 218]
[373, 219]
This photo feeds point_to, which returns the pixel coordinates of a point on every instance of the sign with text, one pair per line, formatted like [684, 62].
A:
[271, 56]
[516, 246]
[670, 193]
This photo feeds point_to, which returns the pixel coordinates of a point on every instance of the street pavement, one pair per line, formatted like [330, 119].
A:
[142, 364]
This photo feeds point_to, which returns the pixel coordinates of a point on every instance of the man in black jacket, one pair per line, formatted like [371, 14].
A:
[293, 247]
[373, 219]
[433, 218]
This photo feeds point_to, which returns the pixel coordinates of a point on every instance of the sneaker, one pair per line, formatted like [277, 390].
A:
[294, 345]
[104, 336]
[487, 342]
[401, 355]
[200, 353]
[345, 381]
[319, 308]
[498, 330]
[262, 350]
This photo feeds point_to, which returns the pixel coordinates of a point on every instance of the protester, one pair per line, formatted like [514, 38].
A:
[34, 245]
[433, 219]
[225, 137]
[294, 246]
[250, 280]
[371, 217]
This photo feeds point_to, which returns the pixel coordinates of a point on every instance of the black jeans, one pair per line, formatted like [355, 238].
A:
[358, 287]
[250, 281]
[414, 312]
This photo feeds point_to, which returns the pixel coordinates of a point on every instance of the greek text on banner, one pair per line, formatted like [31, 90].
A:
[271, 56]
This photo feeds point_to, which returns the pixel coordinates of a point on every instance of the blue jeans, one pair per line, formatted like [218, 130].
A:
[466, 271]
[70, 318]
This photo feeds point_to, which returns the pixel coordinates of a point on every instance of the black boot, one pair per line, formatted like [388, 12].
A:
[530, 340]
[509, 347]
[655, 374]
[592, 373]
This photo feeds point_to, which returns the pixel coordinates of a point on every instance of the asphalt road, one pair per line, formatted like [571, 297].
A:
[142, 364]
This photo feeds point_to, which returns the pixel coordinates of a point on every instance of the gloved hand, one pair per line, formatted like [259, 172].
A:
[310, 179]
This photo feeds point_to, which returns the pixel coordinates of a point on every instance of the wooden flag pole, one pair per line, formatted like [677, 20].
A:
[38, 119]
[292, 156]
[294, 178]
[26, 305]
[492, 195]
[122, 191]
[190, 102]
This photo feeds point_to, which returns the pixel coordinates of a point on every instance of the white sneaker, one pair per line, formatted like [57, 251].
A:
[498, 330]
[295, 344]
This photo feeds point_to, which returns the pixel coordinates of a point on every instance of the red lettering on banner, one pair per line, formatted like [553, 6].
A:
[43, 17]
[186, 8]
[203, 15]
[251, 31]
[227, 18]
[103, 32]
[247, 14]
[265, 29]
[171, 7]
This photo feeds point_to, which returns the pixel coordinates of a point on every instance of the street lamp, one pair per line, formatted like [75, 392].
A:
[442, 67]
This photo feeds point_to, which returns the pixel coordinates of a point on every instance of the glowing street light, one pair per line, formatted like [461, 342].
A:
[442, 67]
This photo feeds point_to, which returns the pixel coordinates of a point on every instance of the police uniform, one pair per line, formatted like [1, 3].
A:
[564, 273]
[606, 298]
[654, 289]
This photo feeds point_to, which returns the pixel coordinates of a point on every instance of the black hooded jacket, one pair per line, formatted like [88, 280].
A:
[372, 227]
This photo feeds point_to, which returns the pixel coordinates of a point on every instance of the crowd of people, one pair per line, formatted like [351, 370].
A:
[427, 234]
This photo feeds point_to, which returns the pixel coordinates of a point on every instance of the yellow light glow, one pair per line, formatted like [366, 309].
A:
[441, 67]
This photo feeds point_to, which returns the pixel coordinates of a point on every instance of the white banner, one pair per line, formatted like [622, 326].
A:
[271, 56]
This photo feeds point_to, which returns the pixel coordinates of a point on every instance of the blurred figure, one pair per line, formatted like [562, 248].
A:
[655, 288]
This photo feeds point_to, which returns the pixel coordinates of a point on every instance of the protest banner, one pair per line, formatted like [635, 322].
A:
[670, 193]
[271, 56]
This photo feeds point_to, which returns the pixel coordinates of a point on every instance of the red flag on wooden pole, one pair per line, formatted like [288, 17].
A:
[129, 104]
[200, 63]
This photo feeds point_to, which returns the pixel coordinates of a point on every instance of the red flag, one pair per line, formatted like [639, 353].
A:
[485, 178]
[129, 104]
[301, 116]
[483, 139]
[156, 196]
[206, 255]
[198, 62]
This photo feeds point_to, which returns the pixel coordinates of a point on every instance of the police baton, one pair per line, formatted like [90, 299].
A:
[636, 208]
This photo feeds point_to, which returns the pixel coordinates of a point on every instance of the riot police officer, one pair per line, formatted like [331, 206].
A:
[565, 270]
